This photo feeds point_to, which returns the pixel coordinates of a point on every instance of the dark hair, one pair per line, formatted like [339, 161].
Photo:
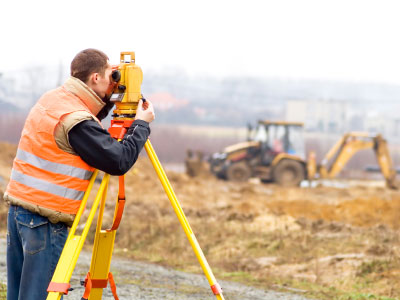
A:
[87, 62]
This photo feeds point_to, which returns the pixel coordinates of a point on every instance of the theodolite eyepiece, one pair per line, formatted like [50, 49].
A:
[116, 75]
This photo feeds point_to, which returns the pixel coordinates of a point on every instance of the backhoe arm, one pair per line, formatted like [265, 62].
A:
[350, 144]
[342, 151]
[385, 161]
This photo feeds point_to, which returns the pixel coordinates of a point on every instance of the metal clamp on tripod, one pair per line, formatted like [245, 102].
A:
[126, 95]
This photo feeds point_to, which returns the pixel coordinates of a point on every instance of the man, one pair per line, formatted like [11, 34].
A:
[61, 144]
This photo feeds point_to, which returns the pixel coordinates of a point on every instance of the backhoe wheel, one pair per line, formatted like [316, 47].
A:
[238, 172]
[289, 173]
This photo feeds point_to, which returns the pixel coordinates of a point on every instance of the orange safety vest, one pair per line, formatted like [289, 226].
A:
[42, 173]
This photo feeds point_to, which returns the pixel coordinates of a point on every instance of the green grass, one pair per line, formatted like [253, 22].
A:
[3, 291]
[375, 266]
[302, 287]
[358, 296]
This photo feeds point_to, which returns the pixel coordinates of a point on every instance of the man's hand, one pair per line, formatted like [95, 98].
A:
[145, 111]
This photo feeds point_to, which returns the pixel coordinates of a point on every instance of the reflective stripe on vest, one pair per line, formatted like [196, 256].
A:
[46, 186]
[52, 166]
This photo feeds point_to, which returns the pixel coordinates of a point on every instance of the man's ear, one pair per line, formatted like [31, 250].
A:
[94, 77]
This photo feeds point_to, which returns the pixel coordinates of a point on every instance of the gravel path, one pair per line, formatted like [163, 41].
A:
[144, 281]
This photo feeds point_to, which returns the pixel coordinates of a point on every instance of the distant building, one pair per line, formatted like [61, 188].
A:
[6, 86]
[165, 101]
[12, 98]
[329, 116]
[396, 131]
[297, 111]
[380, 124]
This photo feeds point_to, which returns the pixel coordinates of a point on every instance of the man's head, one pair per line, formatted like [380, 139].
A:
[93, 68]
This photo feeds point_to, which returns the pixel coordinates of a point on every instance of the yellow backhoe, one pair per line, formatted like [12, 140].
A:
[276, 153]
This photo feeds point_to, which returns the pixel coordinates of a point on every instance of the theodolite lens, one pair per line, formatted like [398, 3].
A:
[116, 75]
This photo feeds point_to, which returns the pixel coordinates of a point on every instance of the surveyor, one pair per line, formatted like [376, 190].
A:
[61, 144]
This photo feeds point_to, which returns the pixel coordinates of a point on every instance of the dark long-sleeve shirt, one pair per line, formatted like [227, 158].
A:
[98, 149]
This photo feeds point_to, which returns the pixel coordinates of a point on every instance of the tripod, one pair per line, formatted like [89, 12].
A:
[99, 276]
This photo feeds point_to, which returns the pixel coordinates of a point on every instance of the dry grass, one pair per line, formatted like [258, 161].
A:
[328, 243]
[6, 158]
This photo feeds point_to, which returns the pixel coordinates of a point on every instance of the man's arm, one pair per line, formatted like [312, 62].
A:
[98, 149]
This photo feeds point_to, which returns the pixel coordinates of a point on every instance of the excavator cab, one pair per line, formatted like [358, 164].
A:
[279, 137]
[271, 143]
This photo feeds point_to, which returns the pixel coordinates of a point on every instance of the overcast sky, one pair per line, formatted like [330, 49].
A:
[357, 40]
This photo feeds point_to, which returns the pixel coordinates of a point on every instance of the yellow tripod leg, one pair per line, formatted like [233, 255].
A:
[101, 256]
[74, 243]
[182, 219]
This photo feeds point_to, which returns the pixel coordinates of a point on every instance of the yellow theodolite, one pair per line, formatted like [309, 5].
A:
[126, 95]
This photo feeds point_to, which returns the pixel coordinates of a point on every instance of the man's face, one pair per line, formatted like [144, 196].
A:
[103, 84]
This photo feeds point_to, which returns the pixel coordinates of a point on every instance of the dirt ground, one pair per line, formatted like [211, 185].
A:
[322, 242]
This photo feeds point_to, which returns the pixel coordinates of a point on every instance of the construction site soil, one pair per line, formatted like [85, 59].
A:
[321, 242]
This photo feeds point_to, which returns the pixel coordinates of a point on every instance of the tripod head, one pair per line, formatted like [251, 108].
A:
[126, 94]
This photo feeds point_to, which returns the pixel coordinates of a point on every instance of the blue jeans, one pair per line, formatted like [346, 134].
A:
[34, 246]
